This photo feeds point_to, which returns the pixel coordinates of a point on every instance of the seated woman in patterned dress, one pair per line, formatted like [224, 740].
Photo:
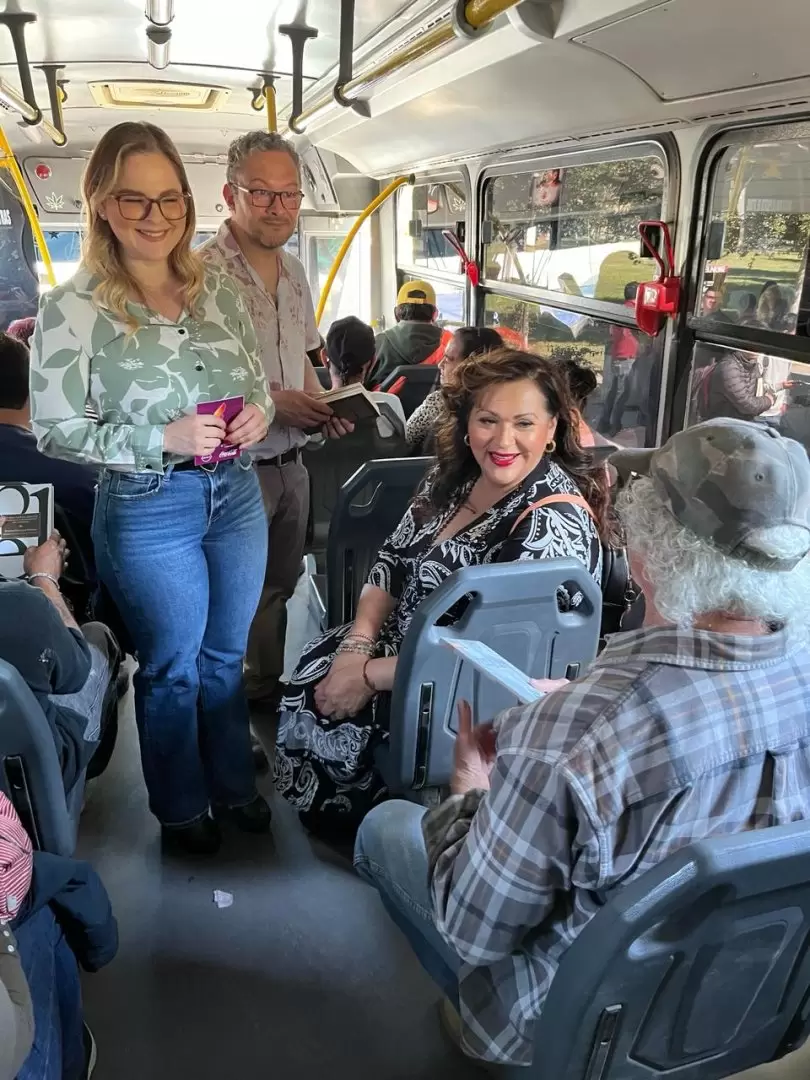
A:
[506, 439]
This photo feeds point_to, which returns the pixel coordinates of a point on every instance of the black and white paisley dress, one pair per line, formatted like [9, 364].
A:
[325, 767]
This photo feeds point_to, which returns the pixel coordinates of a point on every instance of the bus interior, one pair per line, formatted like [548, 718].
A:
[535, 136]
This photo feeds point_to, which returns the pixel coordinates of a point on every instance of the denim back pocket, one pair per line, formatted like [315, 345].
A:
[131, 485]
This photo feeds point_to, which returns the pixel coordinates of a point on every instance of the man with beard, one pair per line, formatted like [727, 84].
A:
[263, 194]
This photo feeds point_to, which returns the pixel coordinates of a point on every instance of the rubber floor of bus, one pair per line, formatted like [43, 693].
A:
[302, 976]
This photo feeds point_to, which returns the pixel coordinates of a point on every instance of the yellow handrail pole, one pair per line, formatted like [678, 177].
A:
[270, 100]
[8, 161]
[347, 243]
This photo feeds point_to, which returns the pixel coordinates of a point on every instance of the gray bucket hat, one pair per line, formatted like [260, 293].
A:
[725, 480]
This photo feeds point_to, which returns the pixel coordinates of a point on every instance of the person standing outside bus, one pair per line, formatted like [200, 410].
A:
[122, 355]
[263, 194]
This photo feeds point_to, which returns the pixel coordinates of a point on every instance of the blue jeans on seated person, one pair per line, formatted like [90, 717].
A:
[183, 556]
[89, 701]
[50, 967]
[390, 854]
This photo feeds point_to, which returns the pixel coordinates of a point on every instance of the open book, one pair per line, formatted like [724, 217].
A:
[495, 667]
[26, 520]
[351, 403]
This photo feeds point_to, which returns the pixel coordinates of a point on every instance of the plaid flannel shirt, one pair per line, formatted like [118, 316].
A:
[672, 736]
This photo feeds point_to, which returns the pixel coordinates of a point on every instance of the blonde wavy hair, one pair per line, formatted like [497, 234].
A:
[101, 254]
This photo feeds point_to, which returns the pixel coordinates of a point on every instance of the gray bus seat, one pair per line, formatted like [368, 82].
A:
[419, 381]
[514, 609]
[368, 509]
[698, 970]
[29, 769]
[331, 463]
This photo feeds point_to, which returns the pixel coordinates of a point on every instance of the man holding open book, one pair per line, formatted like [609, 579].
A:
[263, 194]
[694, 725]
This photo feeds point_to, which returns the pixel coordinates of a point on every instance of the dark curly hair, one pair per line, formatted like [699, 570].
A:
[456, 466]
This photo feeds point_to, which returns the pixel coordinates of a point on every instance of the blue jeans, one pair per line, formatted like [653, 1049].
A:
[390, 854]
[183, 556]
[53, 978]
[89, 701]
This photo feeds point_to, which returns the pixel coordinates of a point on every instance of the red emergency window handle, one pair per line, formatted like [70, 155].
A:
[655, 300]
[665, 269]
[470, 268]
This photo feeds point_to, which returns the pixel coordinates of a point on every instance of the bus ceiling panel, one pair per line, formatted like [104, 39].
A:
[544, 92]
[686, 49]
[239, 34]
[55, 184]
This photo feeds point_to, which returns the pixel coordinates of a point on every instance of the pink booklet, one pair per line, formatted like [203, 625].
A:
[227, 409]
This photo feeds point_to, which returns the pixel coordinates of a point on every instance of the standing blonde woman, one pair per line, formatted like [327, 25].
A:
[122, 355]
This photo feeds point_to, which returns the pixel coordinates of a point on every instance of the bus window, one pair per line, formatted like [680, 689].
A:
[18, 281]
[423, 212]
[350, 290]
[573, 230]
[449, 301]
[64, 248]
[628, 412]
[756, 252]
[743, 383]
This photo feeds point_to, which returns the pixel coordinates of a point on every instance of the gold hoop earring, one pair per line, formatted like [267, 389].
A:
[466, 440]
[551, 447]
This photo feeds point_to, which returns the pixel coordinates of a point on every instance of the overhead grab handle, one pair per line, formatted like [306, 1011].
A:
[346, 61]
[16, 21]
[56, 95]
[299, 36]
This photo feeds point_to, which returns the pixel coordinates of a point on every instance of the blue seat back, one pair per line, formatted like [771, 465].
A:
[697, 970]
[368, 509]
[513, 608]
[29, 769]
[331, 463]
[420, 379]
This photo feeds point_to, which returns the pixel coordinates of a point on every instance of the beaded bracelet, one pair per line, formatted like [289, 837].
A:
[366, 679]
[360, 649]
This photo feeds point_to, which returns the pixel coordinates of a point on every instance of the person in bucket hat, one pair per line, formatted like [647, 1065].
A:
[695, 725]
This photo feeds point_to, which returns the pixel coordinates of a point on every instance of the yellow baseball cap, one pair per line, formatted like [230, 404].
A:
[416, 292]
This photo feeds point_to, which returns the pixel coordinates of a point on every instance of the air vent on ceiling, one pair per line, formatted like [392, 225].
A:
[759, 110]
[136, 94]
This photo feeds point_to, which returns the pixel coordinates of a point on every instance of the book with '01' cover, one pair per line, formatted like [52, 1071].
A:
[26, 521]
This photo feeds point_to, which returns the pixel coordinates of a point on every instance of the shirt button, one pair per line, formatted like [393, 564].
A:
[200, 367]
[181, 331]
[11, 948]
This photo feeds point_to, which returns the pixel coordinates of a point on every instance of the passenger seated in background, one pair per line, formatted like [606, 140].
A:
[506, 441]
[21, 461]
[350, 356]
[64, 920]
[772, 308]
[465, 342]
[415, 338]
[732, 384]
[582, 382]
[71, 671]
[695, 725]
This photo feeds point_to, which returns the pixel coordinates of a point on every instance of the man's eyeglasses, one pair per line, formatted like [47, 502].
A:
[264, 199]
[139, 207]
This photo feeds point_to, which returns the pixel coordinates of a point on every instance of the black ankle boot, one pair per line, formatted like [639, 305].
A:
[253, 818]
[200, 838]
